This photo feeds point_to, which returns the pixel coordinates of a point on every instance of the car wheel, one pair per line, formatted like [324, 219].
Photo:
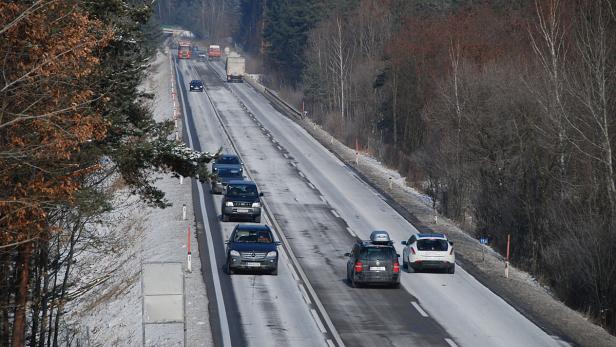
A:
[274, 272]
[257, 219]
[452, 269]
[396, 285]
[405, 264]
[229, 270]
[354, 283]
[225, 218]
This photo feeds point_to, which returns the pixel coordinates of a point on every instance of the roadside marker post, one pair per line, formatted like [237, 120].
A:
[391, 182]
[189, 260]
[356, 152]
[507, 259]
[484, 241]
[181, 180]
[183, 211]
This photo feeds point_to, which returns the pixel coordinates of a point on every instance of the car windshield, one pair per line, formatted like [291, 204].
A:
[242, 190]
[228, 159]
[378, 253]
[438, 245]
[224, 172]
[260, 236]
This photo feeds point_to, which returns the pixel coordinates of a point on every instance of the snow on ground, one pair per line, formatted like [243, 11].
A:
[111, 312]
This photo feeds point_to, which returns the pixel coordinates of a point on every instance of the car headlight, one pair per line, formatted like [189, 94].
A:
[234, 253]
[256, 204]
[272, 254]
[229, 203]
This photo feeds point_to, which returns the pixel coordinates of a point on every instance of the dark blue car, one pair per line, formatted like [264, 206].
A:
[252, 247]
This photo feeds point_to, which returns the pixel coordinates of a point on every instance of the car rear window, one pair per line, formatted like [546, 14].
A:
[377, 252]
[228, 160]
[438, 245]
[223, 172]
[260, 236]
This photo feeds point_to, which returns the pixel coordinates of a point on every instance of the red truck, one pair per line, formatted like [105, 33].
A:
[213, 52]
[184, 50]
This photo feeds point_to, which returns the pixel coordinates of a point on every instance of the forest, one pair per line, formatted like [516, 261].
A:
[74, 129]
[503, 111]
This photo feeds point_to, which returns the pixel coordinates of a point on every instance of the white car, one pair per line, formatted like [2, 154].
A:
[429, 251]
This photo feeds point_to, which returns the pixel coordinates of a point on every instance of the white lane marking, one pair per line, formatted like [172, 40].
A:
[318, 320]
[419, 309]
[285, 155]
[279, 148]
[450, 342]
[311, 186]
[351, 232]
[323, 198]
[335, 213]
[330, 343]
[302, 174]
[222, 312]
[305, 294]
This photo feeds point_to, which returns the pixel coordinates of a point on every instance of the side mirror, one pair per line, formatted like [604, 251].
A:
[226, 242]
[261, 194]
[403, 242]
[347, 254]
[451, 243]
[397, 255]
[278, 243]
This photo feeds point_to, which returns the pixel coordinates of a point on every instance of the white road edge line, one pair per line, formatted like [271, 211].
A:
[335, 213]
[311, 186]
[450, 342]
[222, 312]
[419, 309]
[330, 343]
[315, 315]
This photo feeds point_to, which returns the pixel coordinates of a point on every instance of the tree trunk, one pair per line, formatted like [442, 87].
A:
[23, 265]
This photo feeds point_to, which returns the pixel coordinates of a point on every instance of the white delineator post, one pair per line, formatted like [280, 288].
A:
[181, 180]
[391, 182]
[507, 259]
[183, 211]
[188, 258]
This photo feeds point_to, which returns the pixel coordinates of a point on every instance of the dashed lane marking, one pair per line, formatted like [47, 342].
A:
[450, 342]
[312, 186]
[305, 294]
[351, 232]
[318, 320]
[335, 213]
[419, 309]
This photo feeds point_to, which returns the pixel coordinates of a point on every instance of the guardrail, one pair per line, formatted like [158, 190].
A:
[276, 100]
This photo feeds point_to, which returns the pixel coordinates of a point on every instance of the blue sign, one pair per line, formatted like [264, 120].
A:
[483, 240]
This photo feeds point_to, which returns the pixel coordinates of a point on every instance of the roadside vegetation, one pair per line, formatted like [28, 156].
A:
[73, 127]
[503, 111]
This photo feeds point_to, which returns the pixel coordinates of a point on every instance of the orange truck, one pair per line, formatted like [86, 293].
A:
[184, 50]
[214, 52]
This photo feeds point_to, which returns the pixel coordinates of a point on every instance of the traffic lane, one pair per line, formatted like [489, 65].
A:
[362, 317]
[468, 310]
[271, 308]
[223, 307]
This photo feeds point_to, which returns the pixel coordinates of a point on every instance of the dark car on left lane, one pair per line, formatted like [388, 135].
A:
[222, 176]
[196, 85]
[252, 247]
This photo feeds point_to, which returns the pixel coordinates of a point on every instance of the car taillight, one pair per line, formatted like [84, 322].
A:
[359, 266]
[412, 250]
[396, 267]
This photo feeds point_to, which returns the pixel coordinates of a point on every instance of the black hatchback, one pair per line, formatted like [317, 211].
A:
[196, 85]
[373, 262]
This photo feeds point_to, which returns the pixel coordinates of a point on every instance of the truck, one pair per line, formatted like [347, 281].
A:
[213, 52]
[235, 66]
[184, 50]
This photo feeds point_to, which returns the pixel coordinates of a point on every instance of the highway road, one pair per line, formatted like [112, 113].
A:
[321, 207]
